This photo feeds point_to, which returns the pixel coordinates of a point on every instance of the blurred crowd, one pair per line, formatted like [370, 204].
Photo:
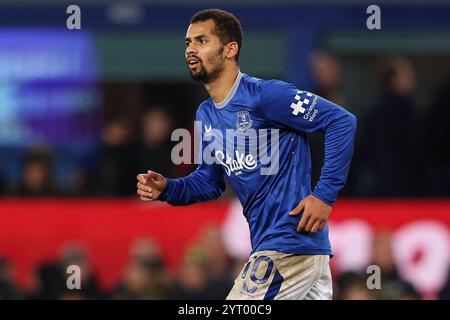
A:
[401, 150]
[395, 137]
[121, 156]
[205, 272]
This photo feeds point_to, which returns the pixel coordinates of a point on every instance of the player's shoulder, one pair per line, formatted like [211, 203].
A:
[203, 107]
[274, 85]
[267, 87]
[250, 81]
[264, 86]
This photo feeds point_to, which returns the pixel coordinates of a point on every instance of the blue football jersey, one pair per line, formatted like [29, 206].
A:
[257, 140]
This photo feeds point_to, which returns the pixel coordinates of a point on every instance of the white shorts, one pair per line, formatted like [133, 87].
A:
[274, 275]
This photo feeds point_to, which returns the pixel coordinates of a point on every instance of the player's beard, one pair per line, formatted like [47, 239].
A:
[208, 77]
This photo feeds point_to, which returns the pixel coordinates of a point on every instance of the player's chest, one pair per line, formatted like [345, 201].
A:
[241, 119]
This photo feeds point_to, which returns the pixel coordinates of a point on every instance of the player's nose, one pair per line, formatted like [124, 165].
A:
[190, 50]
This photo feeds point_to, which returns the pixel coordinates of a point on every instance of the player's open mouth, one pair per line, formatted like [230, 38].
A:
[193, 63]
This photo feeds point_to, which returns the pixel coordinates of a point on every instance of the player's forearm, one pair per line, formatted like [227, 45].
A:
[339, 140]
[191, 189]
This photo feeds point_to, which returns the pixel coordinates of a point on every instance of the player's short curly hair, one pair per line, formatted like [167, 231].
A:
[228, 27]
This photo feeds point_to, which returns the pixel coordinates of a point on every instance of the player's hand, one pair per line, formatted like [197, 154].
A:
[150, 185]
[315, 214]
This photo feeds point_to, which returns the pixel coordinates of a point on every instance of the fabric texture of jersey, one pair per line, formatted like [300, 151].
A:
[272, 108]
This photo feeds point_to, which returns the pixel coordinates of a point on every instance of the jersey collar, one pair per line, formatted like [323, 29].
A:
[232, 92]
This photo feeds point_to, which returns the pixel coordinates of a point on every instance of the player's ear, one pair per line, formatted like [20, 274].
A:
[231, 49]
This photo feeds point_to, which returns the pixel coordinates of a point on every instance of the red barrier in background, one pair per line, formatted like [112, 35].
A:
[420, 239]
[32, 231]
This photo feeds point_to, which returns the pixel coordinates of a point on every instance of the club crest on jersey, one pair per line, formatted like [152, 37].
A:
[244, 122]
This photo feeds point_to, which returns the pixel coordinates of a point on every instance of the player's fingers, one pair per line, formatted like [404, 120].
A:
[141, 177]
[310, 224]
[156, 178]
[153, 177]
[143, 193]
[303, 222]
[146, 199]
[153, 174]
[322, 225]
[298, 208]
[315, 227]
[143, 187]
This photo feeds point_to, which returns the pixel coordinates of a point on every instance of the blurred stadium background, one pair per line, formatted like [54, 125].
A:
[83, 111]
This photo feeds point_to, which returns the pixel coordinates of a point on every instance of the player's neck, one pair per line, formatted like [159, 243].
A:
[220, 88]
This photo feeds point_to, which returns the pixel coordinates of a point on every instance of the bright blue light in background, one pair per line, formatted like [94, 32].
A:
[49, 95]
[48, 90]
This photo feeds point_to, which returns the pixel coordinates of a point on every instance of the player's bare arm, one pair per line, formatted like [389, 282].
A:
[315, 214]
[150, 185]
